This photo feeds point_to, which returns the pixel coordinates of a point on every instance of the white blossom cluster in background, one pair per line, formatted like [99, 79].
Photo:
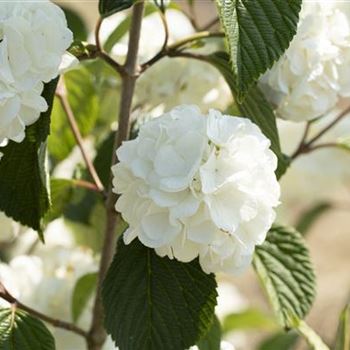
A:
[313, 74]
[195, 185]
[33, 40]
[45, 280]
[172, 81]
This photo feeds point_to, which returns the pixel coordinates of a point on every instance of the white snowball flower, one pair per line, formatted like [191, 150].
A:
[33, 39]
[310, 77]
[172, 81]
[194, 185]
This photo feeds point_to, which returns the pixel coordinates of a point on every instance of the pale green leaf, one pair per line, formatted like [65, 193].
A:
[20, 331]
[283, 265]
[83, 290]
[248, 319]
[83, 99]
[279, 341]
[310, 216]
[343, 333]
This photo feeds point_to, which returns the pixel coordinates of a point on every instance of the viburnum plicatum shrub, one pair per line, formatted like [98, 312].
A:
[142, 161]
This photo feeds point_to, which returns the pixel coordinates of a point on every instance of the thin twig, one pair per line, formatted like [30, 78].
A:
[62, 95]
[4, 294]
[210, 24]
[166, 31]
[308, 146]
[113, 63]
[325, 145]
[97, 34]
[101, 53]
[97, 334]
[174, 49]
[85, 184]
[330, 125]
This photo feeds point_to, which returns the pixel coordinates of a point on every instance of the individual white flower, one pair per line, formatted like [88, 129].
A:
[194, 185]
[309, 78]
[172, 81]
[33, 39]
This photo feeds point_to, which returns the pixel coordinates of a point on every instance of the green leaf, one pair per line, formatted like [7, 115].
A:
[24, 190]
[85, 106]
[108, 7]
[156, 303]
[283, 264]
[83, 290]
[61, 194]
[343, 334]
[279, 341]
[258, 32]
[248, 319]
[254, 106]
[212, 340]
[76, 24]
[19, 331]
[311, 215]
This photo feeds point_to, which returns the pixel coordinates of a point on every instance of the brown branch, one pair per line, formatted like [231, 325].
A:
[210, 24]
[308, 146]
[97, 34]
[110, 61]
[85, 184]
[102, 54]
[62, 95]
[4, 294]
[166, 31]
[97, 334]
[175, 49]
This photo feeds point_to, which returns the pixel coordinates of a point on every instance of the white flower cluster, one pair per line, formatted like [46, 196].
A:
[45, 280]
[33, 38]
[314, 72]
[194, 185]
